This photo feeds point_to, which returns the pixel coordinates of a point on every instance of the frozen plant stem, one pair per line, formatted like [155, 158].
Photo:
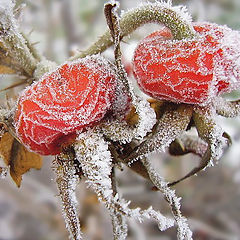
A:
[183, 229]
[146, 114]
[96, 164]
[163, 13]
[120, 227]
[67, 180]
[15, 43]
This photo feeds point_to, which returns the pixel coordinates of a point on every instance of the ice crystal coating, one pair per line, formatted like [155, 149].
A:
[183, 230]
[76, 95]
[190, 70]
[67, 180]
[212, 133]
[96, 163]
[6, 13]
[169, 127]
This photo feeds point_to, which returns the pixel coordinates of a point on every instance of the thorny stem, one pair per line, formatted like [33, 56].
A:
[149, 13]
[67, 180]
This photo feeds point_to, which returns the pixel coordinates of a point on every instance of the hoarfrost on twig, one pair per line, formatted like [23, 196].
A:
[67, 180]
[147, 116]
[183, 229]
[96, 163]
[170, 126]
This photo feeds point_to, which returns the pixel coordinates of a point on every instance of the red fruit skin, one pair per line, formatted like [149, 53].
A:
[75, 96]
[185, 71]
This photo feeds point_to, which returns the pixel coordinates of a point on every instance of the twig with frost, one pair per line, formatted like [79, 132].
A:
[21, 55]
[147, 116]
[14, 42]
[173, 122]
[184, 231]
[96, 163]
[67, 180]
[175, 18]
[120, 228]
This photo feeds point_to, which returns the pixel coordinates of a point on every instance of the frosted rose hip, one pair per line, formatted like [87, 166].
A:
[189, 71]
[76, 95]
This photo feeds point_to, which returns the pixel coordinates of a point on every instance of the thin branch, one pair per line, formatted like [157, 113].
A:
[183, 229]
[67, 179]
[174, 18]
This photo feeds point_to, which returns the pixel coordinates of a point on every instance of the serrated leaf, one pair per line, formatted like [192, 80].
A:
[18, 157]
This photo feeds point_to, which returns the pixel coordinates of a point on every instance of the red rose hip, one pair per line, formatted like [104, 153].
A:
[75, 96]
[190, 70]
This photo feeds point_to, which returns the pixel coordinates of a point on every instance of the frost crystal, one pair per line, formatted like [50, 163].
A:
[191, 71]
[147, 117]
[210, 132]
[67, 180]
[170, 126]
[96, 163]
[74, 96]
[183, 229]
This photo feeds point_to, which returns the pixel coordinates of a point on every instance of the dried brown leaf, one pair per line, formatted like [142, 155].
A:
[18, 157]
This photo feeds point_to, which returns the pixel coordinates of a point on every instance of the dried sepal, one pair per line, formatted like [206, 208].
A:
[146, 115]
[212, 134]
[188, 144]
[19, 159]
[96, 163]
[184, 231]
[172, 123]
[66, 180]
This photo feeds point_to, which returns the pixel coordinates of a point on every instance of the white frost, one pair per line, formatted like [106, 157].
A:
[95, 160]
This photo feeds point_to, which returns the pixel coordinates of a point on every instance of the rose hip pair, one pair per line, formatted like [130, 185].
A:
[78, 95]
